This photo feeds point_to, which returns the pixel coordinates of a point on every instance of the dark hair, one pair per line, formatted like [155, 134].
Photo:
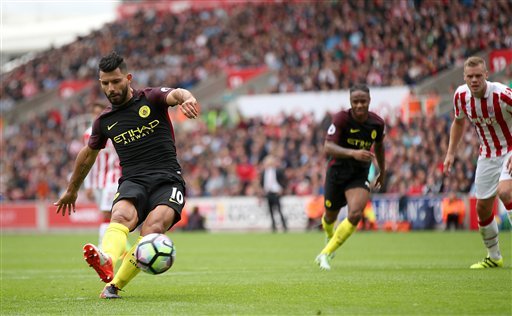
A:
[111, 62]
[360, 87]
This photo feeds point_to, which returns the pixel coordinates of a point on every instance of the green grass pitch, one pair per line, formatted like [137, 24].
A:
[374, 273]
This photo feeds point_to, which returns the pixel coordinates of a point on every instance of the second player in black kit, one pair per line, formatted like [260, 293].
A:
[151, 191]
[348, 145]
[347, 172]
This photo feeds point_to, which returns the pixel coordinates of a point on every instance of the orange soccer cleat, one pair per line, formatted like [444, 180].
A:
[101, 262]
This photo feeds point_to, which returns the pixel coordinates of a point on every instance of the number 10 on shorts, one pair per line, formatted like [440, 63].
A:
[176, 196]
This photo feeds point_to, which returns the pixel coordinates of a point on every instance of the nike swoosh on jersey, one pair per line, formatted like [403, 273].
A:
[174, 201]
[354, 130]
[111, 126]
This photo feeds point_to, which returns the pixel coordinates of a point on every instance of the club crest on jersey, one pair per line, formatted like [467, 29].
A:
[374, 134]
[331, 130]
[144, 111]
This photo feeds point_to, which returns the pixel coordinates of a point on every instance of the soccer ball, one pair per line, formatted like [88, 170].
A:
[155, 253]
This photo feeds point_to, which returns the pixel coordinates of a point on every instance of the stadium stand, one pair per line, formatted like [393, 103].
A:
[315, 47]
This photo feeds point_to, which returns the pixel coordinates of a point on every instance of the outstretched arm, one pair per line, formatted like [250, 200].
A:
[84, 161]
[185, 100]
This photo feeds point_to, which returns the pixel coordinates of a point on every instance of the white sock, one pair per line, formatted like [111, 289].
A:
[102, 230]
[490, 237]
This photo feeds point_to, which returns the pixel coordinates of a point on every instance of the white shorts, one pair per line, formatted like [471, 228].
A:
[104, 197]
[489, 172]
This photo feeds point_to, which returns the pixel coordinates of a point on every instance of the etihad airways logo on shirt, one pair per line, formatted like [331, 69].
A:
[137, 133]
[360, 143]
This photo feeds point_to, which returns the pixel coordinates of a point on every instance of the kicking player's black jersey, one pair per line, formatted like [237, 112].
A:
[142, 134]
[348, 133]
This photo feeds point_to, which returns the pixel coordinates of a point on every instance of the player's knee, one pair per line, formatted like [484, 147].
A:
[505, 195]
[355, 217]
[330, 217]
[125, 217]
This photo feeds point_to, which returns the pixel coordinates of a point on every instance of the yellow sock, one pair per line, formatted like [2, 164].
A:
[344, 230]
[328, 228]
[114, 241]
[128, 269]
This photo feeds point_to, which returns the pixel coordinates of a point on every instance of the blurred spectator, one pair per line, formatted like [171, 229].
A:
[369, 220]
[273, 182]
[411, 107]
[453, 209]
[195, 220]
[431, 103]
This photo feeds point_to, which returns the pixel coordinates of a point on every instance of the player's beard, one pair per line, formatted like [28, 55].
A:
[118, 99]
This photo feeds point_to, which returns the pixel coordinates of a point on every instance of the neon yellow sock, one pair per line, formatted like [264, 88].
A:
[114, 241]
[328, 228]
[128, 269]
[343, 231]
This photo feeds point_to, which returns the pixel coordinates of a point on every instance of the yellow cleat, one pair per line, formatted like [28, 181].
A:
[488, 263]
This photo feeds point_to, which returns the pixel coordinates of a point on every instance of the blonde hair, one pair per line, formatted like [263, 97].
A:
[474, 61]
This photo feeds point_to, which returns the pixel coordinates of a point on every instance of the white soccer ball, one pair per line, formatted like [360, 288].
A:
[155, 253]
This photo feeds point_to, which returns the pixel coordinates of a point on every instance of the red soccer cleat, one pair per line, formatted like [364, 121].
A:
[101, 262]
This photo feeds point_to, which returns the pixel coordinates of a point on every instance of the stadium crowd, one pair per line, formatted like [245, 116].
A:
[321, 45]
[313, 47]
[227, 160]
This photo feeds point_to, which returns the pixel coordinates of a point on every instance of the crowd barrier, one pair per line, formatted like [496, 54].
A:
[239, 214]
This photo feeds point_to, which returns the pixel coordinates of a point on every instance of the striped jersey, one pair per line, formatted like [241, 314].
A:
[106, 171]
[491, 116]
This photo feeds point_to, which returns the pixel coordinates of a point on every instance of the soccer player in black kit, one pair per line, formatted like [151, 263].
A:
[151, 190]
[349, 140]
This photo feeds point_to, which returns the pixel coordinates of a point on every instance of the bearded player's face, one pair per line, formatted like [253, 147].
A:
[360, 102]
[115, 85]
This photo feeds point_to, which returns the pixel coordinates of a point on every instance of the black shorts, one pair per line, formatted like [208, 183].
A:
[338, 180]
[149, 191]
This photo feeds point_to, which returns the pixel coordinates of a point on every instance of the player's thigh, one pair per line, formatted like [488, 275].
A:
[171, 194]
[505, 181]
[357, 197]
[505, 191]
[129, 204]
[487, 176]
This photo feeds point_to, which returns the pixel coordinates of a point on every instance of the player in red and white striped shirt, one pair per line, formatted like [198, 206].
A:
[488, 106]
[101, 182]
